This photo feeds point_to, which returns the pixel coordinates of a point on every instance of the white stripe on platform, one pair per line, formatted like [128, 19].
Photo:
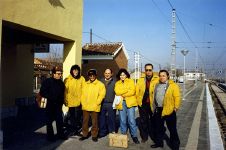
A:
[193, 138]
[214, 131]
[190, 91]
[202, 94]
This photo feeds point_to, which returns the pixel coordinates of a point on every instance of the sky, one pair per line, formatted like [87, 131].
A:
[145, 26]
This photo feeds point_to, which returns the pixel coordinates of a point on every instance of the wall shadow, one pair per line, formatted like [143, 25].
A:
[20, 132]
[56, 3]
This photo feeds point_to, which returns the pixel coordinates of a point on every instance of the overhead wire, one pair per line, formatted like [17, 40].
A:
[98, 36]
[161, 12]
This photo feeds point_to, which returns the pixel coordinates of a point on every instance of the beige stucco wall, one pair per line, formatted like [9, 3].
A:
[55, 19]
[63, 19]
[58, 17]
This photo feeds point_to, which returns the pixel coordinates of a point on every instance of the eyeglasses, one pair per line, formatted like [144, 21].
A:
[91, 75]
[59, 74]
[148, 70]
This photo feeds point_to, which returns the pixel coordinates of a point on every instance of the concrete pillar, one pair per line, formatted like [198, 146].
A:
[0, 63]
[17, 75]
[25, 70]
[72, 56]
[1, 132]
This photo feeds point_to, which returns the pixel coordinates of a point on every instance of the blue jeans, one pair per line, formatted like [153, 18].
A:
[130, 114]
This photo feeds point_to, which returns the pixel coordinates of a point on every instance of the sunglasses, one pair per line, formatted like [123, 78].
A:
[90, 75]
[148, 70]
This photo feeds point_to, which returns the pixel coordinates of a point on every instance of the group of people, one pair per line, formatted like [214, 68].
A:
[156, 96]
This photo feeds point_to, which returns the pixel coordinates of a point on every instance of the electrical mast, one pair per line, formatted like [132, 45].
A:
[173, 53]
[137, 65]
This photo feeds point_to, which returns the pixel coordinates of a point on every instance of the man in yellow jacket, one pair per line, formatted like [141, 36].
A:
[145, 85]
[93, 93]
[165, 102]
[72, 98]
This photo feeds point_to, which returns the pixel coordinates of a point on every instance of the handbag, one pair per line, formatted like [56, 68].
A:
[42, 101]
[116, 101]
[118, 140]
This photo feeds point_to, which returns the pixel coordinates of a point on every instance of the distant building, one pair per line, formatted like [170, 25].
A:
[104, 55]
[42, 70]
[194, 76]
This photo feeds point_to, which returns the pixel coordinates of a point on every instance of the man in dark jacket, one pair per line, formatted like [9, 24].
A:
[53, 89]
[107, 114]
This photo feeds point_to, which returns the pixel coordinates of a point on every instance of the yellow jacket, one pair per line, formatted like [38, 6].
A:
[73, 91]
[127, 91]
[141, 85]
[92, 95]
[172, 99]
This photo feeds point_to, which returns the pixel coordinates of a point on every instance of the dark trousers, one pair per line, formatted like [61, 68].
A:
[145, 124]
[85, 123]
[171, 122]
[75, 114]
[54, 112]
[107, 119]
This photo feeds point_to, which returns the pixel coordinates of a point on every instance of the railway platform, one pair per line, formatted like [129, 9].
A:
[196, 122]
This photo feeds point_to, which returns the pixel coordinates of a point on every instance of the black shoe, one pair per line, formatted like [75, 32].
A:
[74, 133]
[95, 139]
[79, 134]
[135, 140]
[101, 136]
[83, 138]
[156, 145]
[144, 140]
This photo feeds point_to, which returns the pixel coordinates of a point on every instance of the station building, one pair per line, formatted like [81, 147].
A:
[29, 26]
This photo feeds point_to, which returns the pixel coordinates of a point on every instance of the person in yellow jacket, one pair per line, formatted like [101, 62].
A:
[72, 98]
[165, 102]
[93, 93]
[144, 85]
[125, 88]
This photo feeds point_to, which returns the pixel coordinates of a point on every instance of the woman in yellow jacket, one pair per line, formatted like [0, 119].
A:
[72, 98]
[165, 101]
[93, 93]
[125, 88]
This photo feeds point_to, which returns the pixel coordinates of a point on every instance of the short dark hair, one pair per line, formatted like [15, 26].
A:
[56, 68]
[122, 70]
[76, 67]
[167, 73]
[92, 72]
[148, 65]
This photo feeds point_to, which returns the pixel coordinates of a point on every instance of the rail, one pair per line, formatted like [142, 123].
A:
[219, 100]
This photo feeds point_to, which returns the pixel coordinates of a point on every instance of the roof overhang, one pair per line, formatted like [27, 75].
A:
[98, 57]
[124, 50]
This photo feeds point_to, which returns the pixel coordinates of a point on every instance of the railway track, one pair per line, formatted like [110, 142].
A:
[219, 101]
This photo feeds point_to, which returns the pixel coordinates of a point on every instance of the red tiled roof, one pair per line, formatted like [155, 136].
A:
[45, 64]
[101, 48]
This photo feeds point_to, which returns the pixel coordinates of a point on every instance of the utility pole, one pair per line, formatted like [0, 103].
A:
[173, 52]
[137, 65]
[196, 65]
[91, 36]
